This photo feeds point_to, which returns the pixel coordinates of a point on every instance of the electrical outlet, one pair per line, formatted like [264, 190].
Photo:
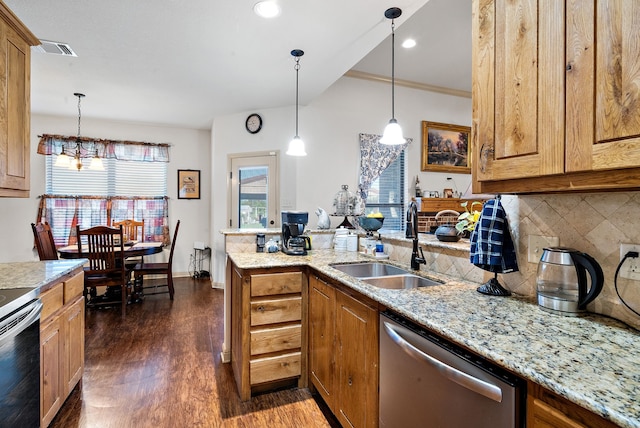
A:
[537, 243]
[630, 269]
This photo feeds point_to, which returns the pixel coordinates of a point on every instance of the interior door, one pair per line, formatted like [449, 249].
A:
[253, 191]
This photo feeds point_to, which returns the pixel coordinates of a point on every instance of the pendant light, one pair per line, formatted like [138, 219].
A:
[296, 146]
[65, 160]
[393, 132]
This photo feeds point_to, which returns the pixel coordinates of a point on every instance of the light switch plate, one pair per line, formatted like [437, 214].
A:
[537, 243]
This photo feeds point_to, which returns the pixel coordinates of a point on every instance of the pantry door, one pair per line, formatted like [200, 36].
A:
[253, 191]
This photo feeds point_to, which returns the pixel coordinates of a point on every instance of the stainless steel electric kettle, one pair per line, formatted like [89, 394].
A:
[562, 280]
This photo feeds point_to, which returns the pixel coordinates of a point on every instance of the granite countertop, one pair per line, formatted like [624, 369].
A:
[35, 274]
[25, 280]
[591, 360]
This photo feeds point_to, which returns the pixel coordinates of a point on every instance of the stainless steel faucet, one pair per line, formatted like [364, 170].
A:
[417, 256]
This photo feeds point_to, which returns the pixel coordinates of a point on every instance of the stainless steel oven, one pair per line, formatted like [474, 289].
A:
[19, 358]
[426, 381]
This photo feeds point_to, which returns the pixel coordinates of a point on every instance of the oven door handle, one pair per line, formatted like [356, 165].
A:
[479, 386]
[33, 314]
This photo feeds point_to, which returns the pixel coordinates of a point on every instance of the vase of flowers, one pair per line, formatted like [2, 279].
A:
[468, 219]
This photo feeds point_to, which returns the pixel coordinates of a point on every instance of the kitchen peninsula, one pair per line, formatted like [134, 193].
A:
[590, 361]
[59, 285]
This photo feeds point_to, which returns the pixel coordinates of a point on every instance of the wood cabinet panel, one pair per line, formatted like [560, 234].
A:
[51, 377]
[73, 287]
[52, 300]
[546, 409]
[268, 337]
[74, 345]
[357, 364]
[276, 310]
[278, 283]
[322, 303]
[558, 111]
[15, 95]
[274, 339]
[278, 367]
[61, 344]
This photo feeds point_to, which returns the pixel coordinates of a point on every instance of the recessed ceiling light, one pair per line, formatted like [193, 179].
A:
[267, 9]
[409, 43]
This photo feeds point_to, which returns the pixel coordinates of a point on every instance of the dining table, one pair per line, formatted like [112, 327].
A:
[131, 249]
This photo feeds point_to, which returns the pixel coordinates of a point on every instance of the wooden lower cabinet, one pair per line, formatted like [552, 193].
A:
[546, 409]
[61, 344]
[343, 352]
[268, 345]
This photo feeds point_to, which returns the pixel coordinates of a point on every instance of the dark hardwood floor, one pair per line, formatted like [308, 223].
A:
[159, 366]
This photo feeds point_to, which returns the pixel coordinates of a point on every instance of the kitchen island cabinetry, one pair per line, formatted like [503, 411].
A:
[268, 346]
[546, 409]
[555, 96]
[61, 343]
[343, 352]
[15, 75]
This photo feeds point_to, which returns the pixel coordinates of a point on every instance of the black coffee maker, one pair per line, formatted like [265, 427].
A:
[293, 241]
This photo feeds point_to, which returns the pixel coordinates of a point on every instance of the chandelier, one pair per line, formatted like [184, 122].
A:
[75, 162]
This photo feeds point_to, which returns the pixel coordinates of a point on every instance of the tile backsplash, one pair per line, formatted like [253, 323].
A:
[594, 223]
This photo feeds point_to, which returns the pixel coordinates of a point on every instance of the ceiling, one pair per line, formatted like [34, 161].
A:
[189, 61]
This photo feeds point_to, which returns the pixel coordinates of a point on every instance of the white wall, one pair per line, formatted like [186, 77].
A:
[330, 126]
[190, 150]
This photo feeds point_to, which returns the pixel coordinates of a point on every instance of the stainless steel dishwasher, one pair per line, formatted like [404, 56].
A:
[426, 381]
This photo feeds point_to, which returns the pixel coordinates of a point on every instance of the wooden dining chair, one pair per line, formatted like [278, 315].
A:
[132, 229]
[44, 241]
[105, 251]
[165, 269]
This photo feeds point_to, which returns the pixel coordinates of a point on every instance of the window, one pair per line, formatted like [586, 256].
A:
[119, 178]
[124, 190]
[386, 195]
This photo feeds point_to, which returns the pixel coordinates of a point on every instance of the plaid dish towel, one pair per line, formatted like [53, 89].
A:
[491, 244]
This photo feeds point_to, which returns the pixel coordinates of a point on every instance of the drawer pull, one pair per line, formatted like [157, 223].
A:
[260, 308]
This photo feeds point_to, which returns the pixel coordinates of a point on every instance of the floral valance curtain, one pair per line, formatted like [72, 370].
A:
[64, 213]
[107, 149]
[374, 159]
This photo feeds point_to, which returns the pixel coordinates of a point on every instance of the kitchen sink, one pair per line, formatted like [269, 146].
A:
[400, 282]
[369, 269]
[383, 275]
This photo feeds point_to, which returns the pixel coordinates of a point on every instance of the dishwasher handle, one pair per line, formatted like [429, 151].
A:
[479, 386]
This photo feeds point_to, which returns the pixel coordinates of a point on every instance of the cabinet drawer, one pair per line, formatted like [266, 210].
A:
[276, 283]
[52, 300]
[275, 368]
[73, 288]
[275, 339]
[276, 310]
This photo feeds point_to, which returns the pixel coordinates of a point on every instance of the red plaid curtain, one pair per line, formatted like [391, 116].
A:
[65, 212]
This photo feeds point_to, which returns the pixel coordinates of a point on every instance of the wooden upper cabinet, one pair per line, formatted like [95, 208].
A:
[15, 106]
[556, 95]
[603, 84]
[518, 101]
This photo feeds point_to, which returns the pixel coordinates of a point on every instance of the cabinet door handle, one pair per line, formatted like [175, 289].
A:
[350, 381]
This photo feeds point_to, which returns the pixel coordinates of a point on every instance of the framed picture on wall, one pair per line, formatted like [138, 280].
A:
[446, 148]
[188, 184]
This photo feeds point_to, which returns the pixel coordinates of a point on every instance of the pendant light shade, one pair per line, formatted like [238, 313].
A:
[393, 132]
[296, 146]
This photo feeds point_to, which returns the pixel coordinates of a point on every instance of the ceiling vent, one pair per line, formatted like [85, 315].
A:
[55, 48]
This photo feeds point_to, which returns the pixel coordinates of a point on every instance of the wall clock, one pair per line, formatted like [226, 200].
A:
[253, 123]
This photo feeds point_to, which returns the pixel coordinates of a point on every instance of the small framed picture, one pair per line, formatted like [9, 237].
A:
[188, 184]
[447, 193]
[446, 148]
